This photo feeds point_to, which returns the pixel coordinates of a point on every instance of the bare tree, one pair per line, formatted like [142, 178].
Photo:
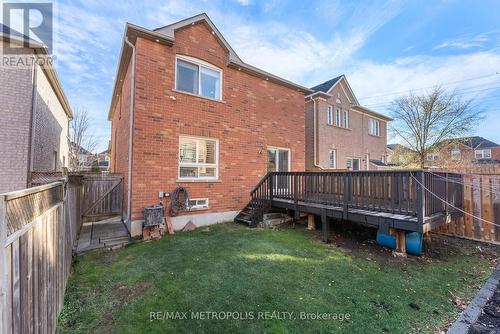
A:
[423, 121]
[82, 139]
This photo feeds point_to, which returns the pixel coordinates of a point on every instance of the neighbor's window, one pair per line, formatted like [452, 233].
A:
[346, 119]
[373, 127]
[456, 154]
[337, 117]
[329, 115]
[332, 159]
[199, 78]
[483, 154]
[432, 156]
[198, 158]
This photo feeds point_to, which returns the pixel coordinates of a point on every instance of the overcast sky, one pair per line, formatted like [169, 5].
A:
[385, 48]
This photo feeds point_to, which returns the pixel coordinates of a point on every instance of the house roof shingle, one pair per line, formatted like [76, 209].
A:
[472, 142]
[325, 86]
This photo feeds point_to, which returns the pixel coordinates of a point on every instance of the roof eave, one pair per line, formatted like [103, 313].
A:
[374, 113]
[266, 75]
[131, 32]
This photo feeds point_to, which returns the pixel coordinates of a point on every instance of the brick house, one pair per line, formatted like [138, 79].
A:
[187, 111]
[35, 115]
[340, 133]
[464, 152]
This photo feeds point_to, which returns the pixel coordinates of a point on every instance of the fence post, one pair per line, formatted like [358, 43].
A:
[420, 197]
[5, 323]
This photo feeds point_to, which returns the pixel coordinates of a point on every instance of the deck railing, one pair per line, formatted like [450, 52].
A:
[408, 192]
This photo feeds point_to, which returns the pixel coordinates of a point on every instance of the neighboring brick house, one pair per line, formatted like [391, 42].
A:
[401, 156]
[34, 115]
[463, 152]
[201, 119]
[340, 133]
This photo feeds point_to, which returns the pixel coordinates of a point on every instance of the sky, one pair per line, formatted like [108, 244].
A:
[385, 48]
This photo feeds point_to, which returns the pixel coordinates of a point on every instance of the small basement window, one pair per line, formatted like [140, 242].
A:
[198, 204]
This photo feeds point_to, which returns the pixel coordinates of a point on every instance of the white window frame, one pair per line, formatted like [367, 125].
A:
[351, 159]
[197, 164]
[374, 127]
[329, 115]
[432, 156]
[334, 165]
[346, 119]
[338, 117]
[198, 206]
[483, 154]
[367, 161]
[454, 155]
[200, 63]
[277, 158]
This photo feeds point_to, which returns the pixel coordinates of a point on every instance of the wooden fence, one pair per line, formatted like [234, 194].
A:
[481, 199]
[102, 196]
[38, 227]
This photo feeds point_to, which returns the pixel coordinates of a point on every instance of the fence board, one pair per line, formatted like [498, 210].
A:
[35, 254]
[481, 199]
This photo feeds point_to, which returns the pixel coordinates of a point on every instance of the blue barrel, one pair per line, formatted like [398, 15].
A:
[414, 243]
[386, 240]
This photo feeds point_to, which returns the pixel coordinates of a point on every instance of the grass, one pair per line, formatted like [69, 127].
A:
[230, 268]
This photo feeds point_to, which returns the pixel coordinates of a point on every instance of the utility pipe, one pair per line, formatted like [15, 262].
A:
[131, 133]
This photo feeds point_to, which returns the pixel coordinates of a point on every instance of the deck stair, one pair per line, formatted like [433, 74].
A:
[252, 213]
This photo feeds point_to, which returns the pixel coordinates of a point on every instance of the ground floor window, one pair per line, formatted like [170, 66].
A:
[198, 158]
[332, 159]
[352, 163]
[278, 159]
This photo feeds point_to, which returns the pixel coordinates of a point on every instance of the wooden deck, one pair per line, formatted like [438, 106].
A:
[410, 200]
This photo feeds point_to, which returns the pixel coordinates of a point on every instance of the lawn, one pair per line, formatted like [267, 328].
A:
[230, 268]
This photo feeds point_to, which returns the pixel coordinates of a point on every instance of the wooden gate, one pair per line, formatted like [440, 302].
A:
[102, 196]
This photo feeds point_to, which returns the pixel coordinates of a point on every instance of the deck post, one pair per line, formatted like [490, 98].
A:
[270, 176]
[420, 198]
[401, 241]
[295, 196]
[347, 195]
[325, 226]
[311, 224]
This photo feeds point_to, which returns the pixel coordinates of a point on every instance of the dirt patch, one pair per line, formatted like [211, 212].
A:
[360, 240]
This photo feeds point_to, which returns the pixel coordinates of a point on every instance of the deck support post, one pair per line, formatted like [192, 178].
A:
[311, 223]
[400, 241]
[325, 226]
[420, 197]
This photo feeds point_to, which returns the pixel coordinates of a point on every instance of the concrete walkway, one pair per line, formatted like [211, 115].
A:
[110, 233]
[470, 315]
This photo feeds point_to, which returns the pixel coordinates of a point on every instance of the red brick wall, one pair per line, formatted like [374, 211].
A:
[120, 128]
[254, 114]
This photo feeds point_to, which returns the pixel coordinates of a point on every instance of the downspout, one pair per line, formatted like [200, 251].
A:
[31, 145]
[314, 135]
[131, 133]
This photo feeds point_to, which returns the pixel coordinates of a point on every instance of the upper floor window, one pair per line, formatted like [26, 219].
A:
[483, 154]
[346, 119]
[197, 77]
[456, 154]
[374, 127]
[329, 115]
[337, 117]
[198, 158]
